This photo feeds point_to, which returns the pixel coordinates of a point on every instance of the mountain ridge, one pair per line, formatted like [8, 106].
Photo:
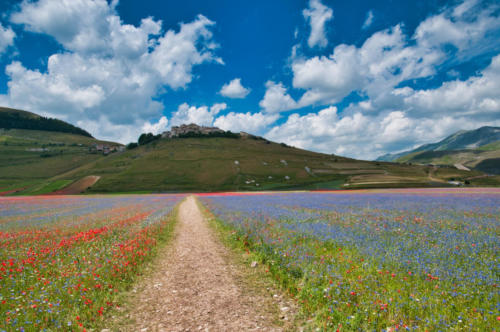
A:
[461, 140]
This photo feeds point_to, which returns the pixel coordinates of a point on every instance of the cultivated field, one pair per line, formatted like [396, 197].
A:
[65, 259]
[418, 259]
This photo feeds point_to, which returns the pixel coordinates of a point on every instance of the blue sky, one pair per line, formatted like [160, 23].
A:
[359, 78]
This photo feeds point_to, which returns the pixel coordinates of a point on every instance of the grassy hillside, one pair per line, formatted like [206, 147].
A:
[484, 159]
[40, 162]
[29, 159]
[216, 164]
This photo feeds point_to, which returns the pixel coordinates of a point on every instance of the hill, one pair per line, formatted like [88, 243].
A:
[29, 159]
[16, 119]
[247, 163]
[42, 162]
[475, 149]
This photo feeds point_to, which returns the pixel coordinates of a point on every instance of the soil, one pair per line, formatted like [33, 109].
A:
[78, 186]
[194, 287]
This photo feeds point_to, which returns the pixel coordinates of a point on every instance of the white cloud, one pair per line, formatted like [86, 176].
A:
[477, 96]
[176, 53]
[383, 61]
[392, 116]
[317, 15]
[155, 128]
[389, 57]
[365, 136]
[108, 70]
[251, 123]
[276, 98]
[328, 79]
[234, 89]
[368, 21]
[123, 133]
[77, 25]
[7, 36]
[202, 116]
[464, 27]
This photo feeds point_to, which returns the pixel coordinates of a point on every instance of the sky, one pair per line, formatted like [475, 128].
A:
[353, 78]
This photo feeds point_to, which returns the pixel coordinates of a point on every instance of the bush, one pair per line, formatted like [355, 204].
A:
[131, 146]
[147, 138]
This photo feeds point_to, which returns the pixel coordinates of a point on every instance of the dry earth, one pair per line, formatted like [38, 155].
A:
[78, 186]
[194, 287]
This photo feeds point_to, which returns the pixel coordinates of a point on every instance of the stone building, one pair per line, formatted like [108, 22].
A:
[192, 128]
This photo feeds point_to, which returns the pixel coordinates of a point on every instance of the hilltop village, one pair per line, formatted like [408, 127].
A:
[192, 128]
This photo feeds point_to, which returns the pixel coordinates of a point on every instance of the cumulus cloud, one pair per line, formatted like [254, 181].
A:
[254, 123]
[369, 20]
[276, 98]
[234, 89]
[465, 27]
[202, 115]
[393, 115]
[317, 15]
[382, 62]
[156, 127]
[477, 96]
[108, 70]
[328, 79]
[7, 36]
[365, 136]
[389, 57]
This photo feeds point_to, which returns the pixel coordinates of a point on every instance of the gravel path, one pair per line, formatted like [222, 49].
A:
[194, 288]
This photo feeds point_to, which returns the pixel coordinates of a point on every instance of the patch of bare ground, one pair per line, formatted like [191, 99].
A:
[195, 285]
[78, 186]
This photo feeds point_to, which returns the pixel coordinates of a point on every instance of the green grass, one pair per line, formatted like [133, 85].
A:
[490, 147]
[48, 187]
[192, 165]
[32, 160]
[197, 165]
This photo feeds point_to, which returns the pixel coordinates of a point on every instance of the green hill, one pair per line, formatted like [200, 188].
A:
[40, 162]
[219, 164]
[29, 159]
[17, 119]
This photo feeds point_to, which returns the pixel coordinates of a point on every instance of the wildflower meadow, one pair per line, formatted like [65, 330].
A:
[391, 260]
[388, 260]
[64, 259]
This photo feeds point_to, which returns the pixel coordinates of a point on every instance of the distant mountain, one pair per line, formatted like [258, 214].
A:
[461, 140]
[474, 149]
[16, 119]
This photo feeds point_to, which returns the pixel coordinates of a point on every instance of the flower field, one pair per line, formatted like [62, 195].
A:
[423, 259]
[64, 259]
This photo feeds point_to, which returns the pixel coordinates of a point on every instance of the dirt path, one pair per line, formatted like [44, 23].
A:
[194, 288]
